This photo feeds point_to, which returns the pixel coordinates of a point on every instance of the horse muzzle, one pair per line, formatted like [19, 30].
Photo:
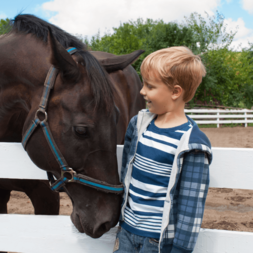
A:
[94, 227]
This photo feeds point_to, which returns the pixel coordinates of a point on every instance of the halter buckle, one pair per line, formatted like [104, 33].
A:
[69, 174]
[43, 112]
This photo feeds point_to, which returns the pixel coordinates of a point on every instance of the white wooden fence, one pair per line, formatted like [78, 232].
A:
[219, 116]
[231, 168]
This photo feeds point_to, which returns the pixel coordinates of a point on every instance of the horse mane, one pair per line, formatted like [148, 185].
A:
[100, 85]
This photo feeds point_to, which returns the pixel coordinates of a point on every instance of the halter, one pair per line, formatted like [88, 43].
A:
[68, 175]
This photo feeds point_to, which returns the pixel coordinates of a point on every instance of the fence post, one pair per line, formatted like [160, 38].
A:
[245, 125]
[218, 119]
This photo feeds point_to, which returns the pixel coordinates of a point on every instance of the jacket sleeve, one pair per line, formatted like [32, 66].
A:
[127, 143]
[193, 188]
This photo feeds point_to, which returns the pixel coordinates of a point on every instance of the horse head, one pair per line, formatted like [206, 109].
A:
[81, 116]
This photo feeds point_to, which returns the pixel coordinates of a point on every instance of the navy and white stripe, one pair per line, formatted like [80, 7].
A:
[150, 177]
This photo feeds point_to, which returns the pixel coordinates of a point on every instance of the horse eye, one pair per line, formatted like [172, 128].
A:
[80, 130]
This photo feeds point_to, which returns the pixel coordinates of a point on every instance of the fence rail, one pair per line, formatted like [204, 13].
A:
[243, 116]
[231, 168]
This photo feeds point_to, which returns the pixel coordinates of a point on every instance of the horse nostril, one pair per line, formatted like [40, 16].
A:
[102, 228]
[106, 226]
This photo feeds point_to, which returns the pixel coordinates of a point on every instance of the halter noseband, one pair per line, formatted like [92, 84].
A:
[68, 175]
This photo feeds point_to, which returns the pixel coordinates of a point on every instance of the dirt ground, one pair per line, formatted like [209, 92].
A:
[233, 137]
[228, 209]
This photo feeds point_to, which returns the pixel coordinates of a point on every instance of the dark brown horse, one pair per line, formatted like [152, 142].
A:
[94, 96]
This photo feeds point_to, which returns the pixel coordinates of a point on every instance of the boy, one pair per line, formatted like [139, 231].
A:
[165, 163]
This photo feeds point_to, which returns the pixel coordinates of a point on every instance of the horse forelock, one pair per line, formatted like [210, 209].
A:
[101, 86]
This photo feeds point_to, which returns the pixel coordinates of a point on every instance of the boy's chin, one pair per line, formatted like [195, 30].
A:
[155, 111]
[151, 109]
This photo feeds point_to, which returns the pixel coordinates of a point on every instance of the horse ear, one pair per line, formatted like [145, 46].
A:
[62, 60]
[114, 63]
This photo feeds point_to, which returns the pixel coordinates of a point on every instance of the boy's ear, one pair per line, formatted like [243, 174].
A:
[177, 92]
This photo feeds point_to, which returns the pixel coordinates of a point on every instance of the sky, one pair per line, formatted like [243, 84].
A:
[87, 17]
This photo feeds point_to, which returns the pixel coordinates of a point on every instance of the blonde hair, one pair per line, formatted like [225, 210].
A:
[175, 66]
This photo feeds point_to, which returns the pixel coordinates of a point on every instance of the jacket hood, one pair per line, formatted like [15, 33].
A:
[198, 136]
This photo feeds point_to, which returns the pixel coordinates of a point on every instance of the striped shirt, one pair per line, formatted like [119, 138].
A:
[150, 178]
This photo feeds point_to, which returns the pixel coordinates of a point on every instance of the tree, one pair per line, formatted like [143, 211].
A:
[4, 26]
[148, 35]
[229, 73]
[210, 32]
[229, 78]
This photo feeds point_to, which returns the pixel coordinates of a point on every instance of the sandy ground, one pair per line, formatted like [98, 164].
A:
[228, 209]
[233, 137]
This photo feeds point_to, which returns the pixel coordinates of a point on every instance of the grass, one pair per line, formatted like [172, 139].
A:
[224, 125]
[207, 126]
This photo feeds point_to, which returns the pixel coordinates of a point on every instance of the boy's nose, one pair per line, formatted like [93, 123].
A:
[142, 91]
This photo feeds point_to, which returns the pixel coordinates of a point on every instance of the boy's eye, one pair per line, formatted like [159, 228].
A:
[147, 85]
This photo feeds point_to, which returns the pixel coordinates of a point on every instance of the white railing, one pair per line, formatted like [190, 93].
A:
[219, 116]
[231, 168]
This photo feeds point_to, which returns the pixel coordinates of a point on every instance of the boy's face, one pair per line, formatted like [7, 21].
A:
[158, 96]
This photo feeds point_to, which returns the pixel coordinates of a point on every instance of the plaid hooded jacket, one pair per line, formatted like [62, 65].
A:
[188, 184]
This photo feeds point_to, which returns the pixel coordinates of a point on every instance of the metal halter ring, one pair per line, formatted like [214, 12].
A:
[45, 115]
[69, 174]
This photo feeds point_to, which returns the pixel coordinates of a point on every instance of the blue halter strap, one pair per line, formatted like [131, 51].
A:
[68, 175]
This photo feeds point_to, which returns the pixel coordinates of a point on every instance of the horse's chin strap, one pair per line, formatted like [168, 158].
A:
[67, 174]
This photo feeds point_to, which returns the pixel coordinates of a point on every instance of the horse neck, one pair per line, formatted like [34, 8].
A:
[22, 73]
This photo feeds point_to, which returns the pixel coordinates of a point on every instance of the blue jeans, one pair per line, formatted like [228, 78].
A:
[127, 242]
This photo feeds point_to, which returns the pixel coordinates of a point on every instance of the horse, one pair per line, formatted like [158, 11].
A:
[69, 107]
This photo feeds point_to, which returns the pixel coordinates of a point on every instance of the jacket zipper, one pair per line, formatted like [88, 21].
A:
[161, 235]
[127, 188]
[128, 177]
[130, 172]
[170, 204]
